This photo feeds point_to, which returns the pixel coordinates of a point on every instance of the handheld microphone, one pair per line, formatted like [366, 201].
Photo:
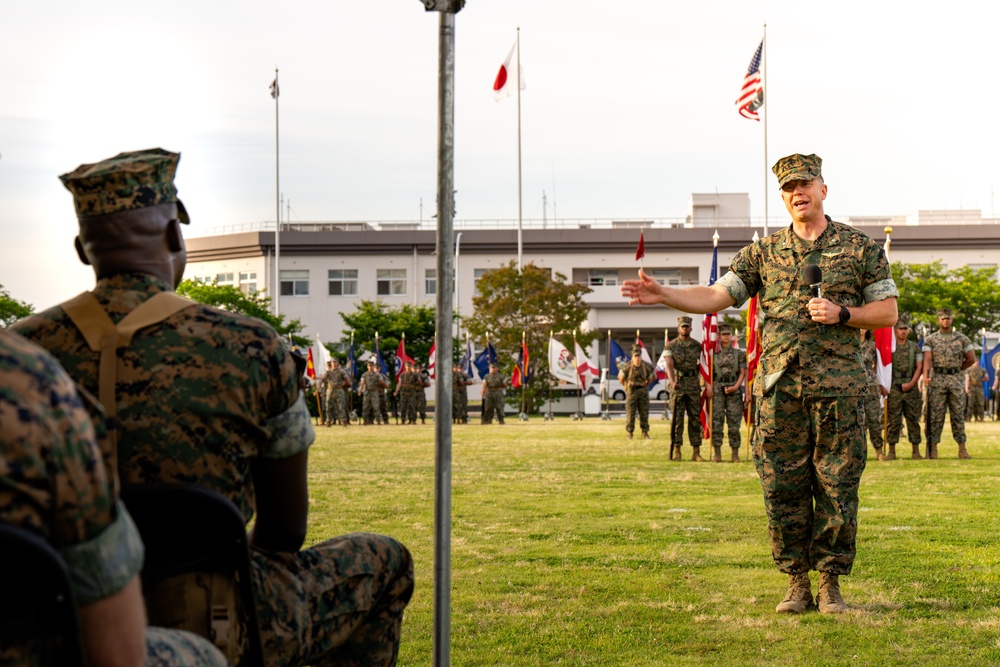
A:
[813, 277]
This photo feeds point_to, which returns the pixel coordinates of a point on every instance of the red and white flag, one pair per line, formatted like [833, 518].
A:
[885, 345]
[503, 86]
[586, 370]
[432, 359]
[752, 93]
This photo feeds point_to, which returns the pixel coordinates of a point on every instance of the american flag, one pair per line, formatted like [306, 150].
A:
[752, 94]
[709, 346]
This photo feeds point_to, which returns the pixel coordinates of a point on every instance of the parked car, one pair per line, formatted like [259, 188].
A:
[617, 392]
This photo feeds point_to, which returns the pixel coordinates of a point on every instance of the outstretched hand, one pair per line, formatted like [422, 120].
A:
[646, 291]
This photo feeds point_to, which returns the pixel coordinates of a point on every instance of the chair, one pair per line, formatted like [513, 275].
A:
[189, 529]
[37, 605]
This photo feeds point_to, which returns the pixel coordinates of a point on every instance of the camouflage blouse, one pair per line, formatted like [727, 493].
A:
[855, 272]
[200, 395]
[686, 355]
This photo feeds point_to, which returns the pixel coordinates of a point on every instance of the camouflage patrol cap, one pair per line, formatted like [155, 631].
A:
[944, 312]
[725, 329]
[126, 182]
[371, 362]
[636, 349]
[903, 321]
[682, 320]
[797, 168]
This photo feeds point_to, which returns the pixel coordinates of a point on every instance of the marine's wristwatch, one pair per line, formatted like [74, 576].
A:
[845, 314]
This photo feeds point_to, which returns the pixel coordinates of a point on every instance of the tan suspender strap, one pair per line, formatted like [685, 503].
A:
[103, 336]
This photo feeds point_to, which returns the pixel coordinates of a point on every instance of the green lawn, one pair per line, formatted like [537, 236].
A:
[574, 546]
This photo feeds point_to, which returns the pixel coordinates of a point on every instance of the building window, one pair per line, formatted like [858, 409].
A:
[601, 277]
[204, 280]
[295, 283]
[666, 276]
[430, 281]
[248, 282]
[391, 282]
[979, 267]
[476, 275]
[342, 282]
[224, 278]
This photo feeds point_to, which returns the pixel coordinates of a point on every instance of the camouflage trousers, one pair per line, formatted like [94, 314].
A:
[975, 405]
[681, 404]
[946, 396]
[810, 453]
[339, 602]
[460, 405]
[383, 407]
[873, 417]
[422, 404]
[336, 406]
[408, 406]
[177, 648]
[637, 403]
[900, 406]
[370, 408]
[727, 410]
[492, 405]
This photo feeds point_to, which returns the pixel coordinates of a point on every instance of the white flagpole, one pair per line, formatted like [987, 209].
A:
[517, 42]
[277, 203]
[763, 111]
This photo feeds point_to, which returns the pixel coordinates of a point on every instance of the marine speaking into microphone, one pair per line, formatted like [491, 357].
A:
[812, 276]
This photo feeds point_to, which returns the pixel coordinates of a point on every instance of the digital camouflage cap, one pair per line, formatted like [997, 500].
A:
[725, 329]
[683, 320]
[798, 167]
[636, 349]
[126, 182]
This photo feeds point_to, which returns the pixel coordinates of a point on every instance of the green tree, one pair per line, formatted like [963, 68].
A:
[228, 297]
[972, 294]
[534, 301]
[371, 317]
[11, 310]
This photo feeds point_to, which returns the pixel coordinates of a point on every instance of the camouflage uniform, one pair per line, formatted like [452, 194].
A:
[873, 407]
[383, 406]
[727, 409]
[409, 386]
[976, 404]
[946, 391]
[494, 385]
[201, 396]
[460, 397]
[425, 381]
[905, 360]
[809, 443]
[371, 382]
[636, 380]
[337, 383]
[685, 398]
[56, 481]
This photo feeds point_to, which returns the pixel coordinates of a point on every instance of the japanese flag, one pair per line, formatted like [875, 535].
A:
[503, 86]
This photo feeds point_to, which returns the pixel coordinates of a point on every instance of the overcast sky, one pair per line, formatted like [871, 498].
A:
[629, 108]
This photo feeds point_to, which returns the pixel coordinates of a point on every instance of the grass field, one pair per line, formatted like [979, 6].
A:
[574, 546]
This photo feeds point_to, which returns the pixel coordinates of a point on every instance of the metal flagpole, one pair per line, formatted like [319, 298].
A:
[607, 381]
[443, 338]
[277, 201]
[517, 42]
[763, 112]
[548, 415]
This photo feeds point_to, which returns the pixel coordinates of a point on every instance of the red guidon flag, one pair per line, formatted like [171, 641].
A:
[640, 252]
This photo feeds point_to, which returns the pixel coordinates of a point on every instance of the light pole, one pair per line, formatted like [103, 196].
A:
[458, 304]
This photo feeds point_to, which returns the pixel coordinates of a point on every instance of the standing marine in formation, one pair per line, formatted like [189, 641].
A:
[682, 356]
[729, 370]
[873, 407]
[946, 354]
[904, 398]
[494, 385]
[459, 395]
[636, 376]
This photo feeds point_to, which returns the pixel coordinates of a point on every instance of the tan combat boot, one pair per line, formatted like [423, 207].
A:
[799, 596]
[916, 453]
[736, 455]
[717, 453]
[932, 451]
[891, 456]
[696, 454]
[963, 453]
[879, 456]
[828, 598]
